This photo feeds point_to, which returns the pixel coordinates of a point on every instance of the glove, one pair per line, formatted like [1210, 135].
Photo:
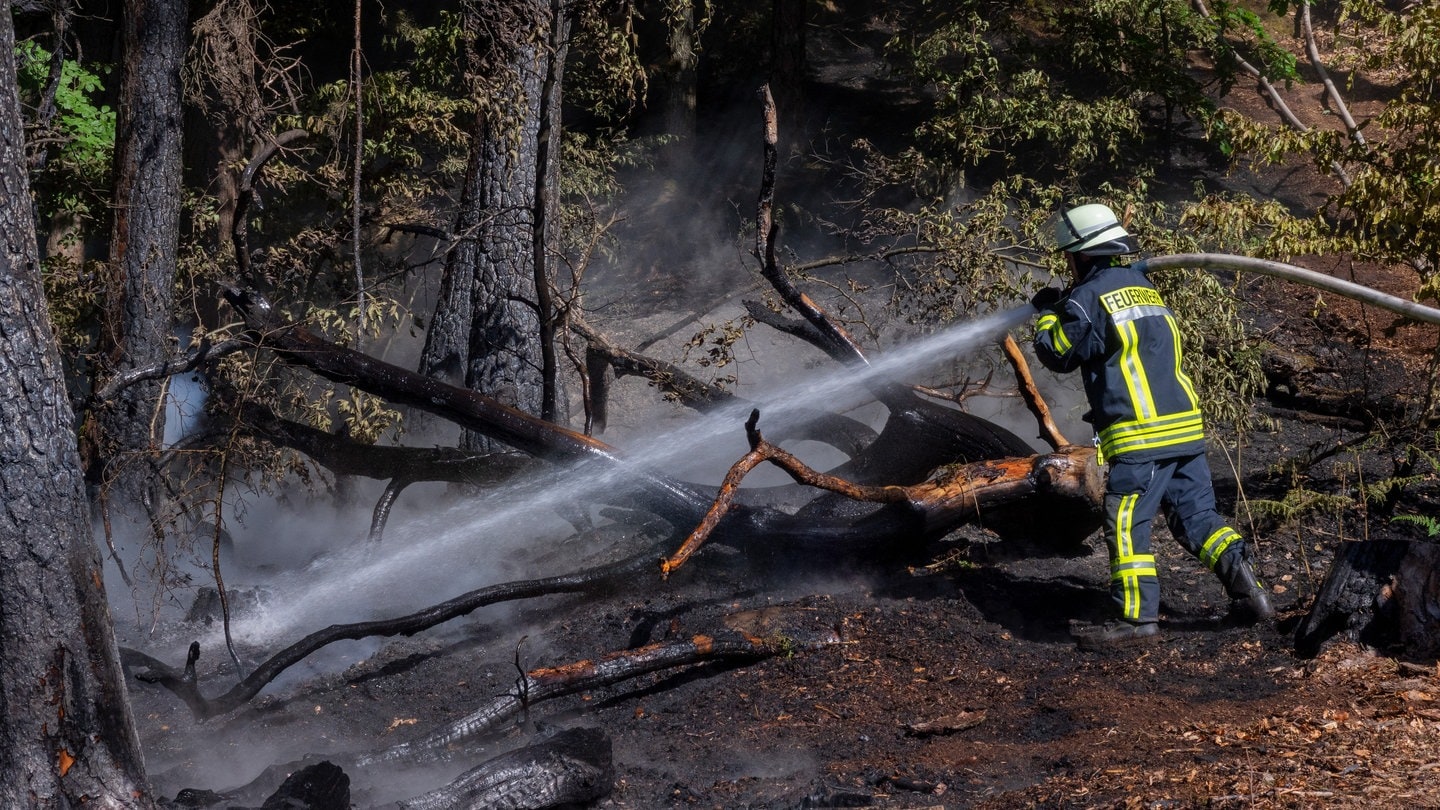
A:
[1047, 298]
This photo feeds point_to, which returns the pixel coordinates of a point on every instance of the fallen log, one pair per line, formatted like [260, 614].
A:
[572, 768]
[468, 409]
[954, 495]
[548, 683]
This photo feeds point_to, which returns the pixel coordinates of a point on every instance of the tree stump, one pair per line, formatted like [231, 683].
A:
[1381, 593]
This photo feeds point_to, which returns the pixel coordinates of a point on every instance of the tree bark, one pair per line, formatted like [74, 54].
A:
[486, 329]
[144, 239]
[1380, 593]
[679, 78]
[66, 734]
[787, 61]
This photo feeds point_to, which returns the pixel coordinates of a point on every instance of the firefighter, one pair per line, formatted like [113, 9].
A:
[1113, 326]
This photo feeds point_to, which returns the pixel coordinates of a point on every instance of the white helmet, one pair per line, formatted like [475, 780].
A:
[1093, 230]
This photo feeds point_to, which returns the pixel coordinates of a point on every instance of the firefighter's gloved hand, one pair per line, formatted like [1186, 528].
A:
[1047, 298]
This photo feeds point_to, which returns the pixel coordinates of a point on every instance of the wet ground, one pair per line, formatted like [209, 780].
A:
[951, 682]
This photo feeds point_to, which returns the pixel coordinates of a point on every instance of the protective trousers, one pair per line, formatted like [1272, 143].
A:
[1134, 493]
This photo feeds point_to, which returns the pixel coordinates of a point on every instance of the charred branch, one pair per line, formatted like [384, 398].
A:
[548, 683]
[573, 768]
[835, 340]
[685, 387]
[952, 497]
[240, 231]
[180, 364]
[841, 432]
[794, 327]
[468, 409]
[185, 684]
[344, 456]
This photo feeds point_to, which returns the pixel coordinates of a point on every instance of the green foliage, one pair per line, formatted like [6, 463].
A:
[1061, 93]
[1297, 504]
[75, 181]
[1241, 33]
[1430, 524]
[606, 75]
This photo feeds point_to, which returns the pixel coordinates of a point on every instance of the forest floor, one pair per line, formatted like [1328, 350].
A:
[950, 681]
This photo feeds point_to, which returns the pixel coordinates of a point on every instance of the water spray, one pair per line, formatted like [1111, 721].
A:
[1290, 272]
[437, 553]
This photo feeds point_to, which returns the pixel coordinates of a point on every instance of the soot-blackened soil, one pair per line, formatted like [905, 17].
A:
[948, 685]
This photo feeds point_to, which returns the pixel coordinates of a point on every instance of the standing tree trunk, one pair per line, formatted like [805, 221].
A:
[487, 323]
[144, 240]
[787, 63]
[680, 77]
[66, 735]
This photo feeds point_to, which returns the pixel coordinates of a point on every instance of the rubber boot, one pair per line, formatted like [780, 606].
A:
[1249, 604]
[1115, 634]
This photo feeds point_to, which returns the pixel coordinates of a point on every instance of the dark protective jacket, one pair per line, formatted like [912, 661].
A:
[1117, 330]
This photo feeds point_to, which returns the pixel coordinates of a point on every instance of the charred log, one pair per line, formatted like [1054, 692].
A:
[469, 409]
[323, 786]
[570, 769]
[345, 456]
[308, 783]
[548, 683]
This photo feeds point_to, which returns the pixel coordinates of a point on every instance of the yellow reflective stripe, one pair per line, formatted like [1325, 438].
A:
[1050, 324]
[1125, 551]
[1179, 372]
[1124, 524]
[1153, 441]
[1166, 431]
[1133, 370]
[1134, 565]
[1216, 544]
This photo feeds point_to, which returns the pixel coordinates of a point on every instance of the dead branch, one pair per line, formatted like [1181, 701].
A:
[794, 327]
[549, 683]
[836, 341]
[188, 361]
[345, 456]
[1036, 403]
[185, 684]
[381, 514]
[952, 497]
[1330, 90]
[240, 230]
[846, 434]
[1276, 99]
[688, 389]
[468, 409]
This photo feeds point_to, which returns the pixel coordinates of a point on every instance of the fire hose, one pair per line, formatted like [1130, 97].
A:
[1290, 272]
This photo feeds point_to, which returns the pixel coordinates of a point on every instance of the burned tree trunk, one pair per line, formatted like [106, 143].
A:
[494, 323]
[1380, 593]
[67, 737]
[143, 248]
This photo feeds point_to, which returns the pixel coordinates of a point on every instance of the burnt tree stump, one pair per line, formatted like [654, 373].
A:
[1381, 593]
